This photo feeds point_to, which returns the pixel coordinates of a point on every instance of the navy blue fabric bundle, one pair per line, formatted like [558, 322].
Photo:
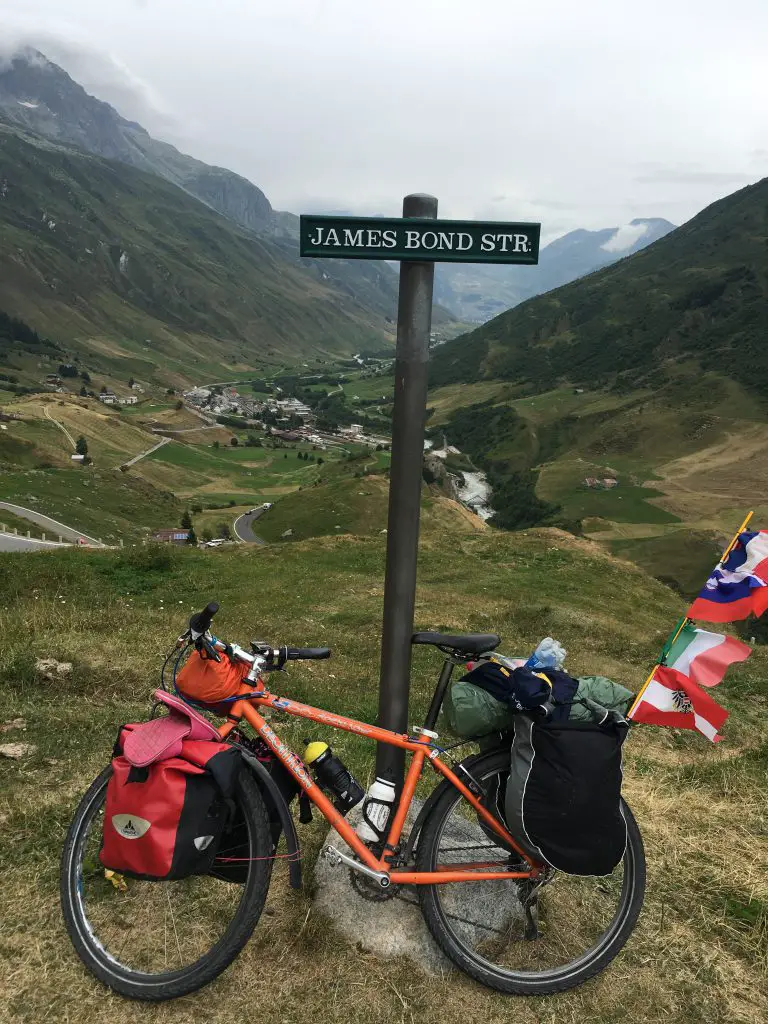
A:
[523, 689]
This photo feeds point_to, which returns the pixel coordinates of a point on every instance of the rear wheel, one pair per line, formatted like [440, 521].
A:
[161, 940]
[579, 923]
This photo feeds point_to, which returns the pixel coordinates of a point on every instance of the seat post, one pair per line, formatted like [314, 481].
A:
[439, 694]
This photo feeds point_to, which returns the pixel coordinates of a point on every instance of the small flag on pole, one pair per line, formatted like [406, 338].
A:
[738, 587]
[703, 657]
[673, 699]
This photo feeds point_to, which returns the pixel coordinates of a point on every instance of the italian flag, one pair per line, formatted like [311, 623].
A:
[703, 657]
[673, 699]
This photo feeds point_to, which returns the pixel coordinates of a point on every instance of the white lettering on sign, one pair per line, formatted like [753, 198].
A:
[423, 238]
[490, 242]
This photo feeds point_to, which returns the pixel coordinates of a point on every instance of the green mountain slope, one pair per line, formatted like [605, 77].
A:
[700, 292]
[41, 97]
[123, 263]
[630, 404]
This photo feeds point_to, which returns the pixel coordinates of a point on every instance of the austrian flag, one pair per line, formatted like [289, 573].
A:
[738, 587]
[672, 699]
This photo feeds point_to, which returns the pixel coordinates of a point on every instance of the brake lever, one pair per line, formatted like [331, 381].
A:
[208, 647]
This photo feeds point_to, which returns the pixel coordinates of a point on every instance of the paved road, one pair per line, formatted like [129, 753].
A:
[12, 543]
[55, 528]
[143, 455]
[60, 426]
[244, 527]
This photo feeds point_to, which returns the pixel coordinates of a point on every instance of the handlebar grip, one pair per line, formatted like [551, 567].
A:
[201, 621]
[307, 653]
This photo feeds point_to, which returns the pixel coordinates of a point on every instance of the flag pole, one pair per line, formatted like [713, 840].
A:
[685, 620]
[738, 533]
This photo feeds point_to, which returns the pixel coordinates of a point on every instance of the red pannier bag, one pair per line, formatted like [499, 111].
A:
[165, 820]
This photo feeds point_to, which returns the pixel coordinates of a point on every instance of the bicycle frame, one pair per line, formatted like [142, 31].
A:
[420, 748]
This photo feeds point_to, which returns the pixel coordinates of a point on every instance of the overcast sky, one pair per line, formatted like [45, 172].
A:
[575, 113]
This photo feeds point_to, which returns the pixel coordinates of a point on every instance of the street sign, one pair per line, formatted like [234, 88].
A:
[420, 239]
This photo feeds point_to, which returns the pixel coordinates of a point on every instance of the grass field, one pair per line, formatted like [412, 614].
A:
[698, 954]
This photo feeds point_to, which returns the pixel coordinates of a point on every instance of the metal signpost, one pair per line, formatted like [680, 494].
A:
[418, 241]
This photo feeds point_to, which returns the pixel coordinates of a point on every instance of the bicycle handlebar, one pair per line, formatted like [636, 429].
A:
[307, 653]
[200, 623]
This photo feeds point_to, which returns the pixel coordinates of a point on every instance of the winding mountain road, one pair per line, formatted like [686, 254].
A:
[243, 527]
[56, 528]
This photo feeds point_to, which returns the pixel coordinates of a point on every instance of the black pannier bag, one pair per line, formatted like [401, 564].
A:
[563, 799]
[232, 861]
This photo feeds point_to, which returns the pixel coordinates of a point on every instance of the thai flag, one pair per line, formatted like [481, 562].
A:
[738, 587]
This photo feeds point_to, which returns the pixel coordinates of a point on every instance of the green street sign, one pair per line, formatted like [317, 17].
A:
[413, 238]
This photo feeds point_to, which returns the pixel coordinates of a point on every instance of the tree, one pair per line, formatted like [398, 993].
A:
[215, 444]
[83, 392]
[206, 535]
[299, 455]
[224, 531]
[320, 460]
[131, 382]
[286, 455]
[178, 405]
[196, 510]
[81, 447]
[186, 521]
[85, 377]
[192, 538]
[170, 391]
[103, 390]
[234, 442]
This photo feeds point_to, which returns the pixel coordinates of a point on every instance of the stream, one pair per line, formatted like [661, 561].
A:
[475, 493]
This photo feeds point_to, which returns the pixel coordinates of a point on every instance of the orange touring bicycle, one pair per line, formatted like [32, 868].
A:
[512, 923]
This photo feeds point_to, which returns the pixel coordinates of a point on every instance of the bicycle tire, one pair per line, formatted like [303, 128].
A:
[172, 984]
[512, 982]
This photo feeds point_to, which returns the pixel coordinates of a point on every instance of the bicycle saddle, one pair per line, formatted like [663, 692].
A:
[466, 643]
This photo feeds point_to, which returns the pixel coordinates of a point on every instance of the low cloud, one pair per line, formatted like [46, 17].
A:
[625, 237]
[99, 73]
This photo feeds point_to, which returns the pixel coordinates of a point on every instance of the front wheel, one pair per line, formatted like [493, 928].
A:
[574, 927]
[161, 940]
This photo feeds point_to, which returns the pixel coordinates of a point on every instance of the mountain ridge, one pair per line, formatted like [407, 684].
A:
[696, 293]
[38, 95]
[123, 263]
[480, 292]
